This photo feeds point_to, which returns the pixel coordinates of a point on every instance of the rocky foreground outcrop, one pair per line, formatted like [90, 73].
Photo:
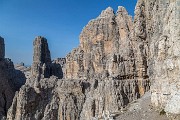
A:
[10, 81]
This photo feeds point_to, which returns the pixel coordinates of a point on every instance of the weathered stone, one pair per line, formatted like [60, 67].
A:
[21, 68]
[72, 99]
[29, 103]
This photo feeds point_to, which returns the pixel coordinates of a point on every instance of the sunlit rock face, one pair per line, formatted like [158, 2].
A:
[107, 47]
[158, 22]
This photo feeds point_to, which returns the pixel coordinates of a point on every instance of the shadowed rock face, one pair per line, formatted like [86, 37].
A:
[10, 81]
[2, 48]
[41, 58]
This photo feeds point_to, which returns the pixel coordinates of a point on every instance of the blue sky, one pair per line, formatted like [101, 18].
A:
[60, 21]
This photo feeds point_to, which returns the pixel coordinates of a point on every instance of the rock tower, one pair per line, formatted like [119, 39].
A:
[2, 48]
[41, 58]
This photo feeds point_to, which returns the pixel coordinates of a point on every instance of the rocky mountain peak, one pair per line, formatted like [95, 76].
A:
[41, 50]
[108, 12]
[121, 10]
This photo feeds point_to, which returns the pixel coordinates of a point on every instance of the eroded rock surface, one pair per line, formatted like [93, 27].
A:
[62, 99]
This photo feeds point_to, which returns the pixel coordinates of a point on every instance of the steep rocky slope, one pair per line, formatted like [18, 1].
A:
[141, 109]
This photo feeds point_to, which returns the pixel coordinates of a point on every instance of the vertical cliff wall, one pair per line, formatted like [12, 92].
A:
[157, 25]
[108, 48]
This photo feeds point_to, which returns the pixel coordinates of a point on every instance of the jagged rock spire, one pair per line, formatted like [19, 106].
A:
[108, 12]
[41, 58]
[2, 48]
[42, 66]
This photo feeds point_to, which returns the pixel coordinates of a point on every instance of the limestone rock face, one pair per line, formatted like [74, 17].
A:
[10, 81]
[106, 48]
[7, 90]
[107, 97]
[157, 22]
[110, 49]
